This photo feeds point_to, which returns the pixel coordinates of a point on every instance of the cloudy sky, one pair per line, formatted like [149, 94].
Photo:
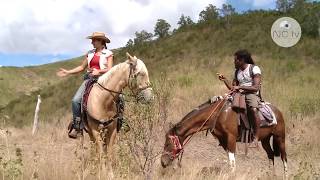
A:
[36, 32]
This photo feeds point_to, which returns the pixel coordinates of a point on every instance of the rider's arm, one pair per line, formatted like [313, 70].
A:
[109, 65]
[80, 68]
[255, 86]
[228, 84]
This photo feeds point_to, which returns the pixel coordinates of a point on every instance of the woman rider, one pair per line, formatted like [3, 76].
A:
[97, 62]
[248, 81]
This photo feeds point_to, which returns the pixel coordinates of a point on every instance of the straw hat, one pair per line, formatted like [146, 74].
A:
[99, 35]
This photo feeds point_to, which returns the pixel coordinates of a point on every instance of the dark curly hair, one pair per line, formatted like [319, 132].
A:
[243, 54]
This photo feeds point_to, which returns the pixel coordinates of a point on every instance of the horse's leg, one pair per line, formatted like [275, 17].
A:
[280, 142]
[111, 139]
[231, 149]
[266, 146]
[97, 135]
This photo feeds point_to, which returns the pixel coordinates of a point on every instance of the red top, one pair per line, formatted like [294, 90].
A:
[94, 63]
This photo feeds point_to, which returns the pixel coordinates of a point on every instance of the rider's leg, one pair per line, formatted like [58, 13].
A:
[256, 119]
[252, 101]
[76, 111]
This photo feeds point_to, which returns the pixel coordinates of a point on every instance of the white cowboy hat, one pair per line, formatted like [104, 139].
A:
[99, 35]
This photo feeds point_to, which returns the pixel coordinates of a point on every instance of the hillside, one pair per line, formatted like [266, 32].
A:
[187, 60]
[190, 50]
[16, 82]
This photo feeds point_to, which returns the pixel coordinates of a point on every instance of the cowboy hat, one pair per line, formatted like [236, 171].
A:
[99, 35]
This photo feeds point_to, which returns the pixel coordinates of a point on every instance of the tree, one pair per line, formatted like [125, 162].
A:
[209, 14]
[185, 21]
[129, 43]
[142, 36]
[283, 5]
[227, 11]
[162, 28]
[308, 15]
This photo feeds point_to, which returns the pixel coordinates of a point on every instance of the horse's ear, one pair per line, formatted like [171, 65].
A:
[131, 59]
[171, 125]
[168, 126]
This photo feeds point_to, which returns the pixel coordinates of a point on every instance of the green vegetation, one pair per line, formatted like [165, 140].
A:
[17, 82]
[162, 28]
[190, 57]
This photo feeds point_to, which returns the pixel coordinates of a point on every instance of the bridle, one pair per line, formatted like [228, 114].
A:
[177, 147]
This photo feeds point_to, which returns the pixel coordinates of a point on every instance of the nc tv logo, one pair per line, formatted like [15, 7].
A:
[286, 32]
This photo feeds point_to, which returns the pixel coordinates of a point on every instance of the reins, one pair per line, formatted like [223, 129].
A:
[109, 89]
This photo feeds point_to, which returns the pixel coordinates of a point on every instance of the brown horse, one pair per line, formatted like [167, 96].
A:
[221, 120]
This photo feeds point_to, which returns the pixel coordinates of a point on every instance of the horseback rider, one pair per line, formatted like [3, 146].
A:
[97, 62]
[247, 80]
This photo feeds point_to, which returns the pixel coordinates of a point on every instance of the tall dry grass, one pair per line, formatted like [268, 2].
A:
[51, 155]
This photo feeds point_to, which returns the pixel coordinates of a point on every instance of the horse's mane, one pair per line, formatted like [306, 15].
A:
[106, 76]
[192, 113]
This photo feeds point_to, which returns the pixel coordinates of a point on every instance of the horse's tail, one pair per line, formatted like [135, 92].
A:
[276, 147]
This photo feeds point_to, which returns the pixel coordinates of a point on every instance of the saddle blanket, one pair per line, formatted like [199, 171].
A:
[267, 116]
[86, 93]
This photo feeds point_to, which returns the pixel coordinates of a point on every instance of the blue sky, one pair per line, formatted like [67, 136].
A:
[32, 59]
[38, 32]
[244, 5]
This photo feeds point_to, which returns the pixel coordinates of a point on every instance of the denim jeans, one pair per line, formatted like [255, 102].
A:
[76, 105]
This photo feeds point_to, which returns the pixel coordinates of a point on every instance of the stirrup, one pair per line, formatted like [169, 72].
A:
[125, 127]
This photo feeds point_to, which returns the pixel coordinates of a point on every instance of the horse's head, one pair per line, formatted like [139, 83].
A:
[172, 148]
[138, 81]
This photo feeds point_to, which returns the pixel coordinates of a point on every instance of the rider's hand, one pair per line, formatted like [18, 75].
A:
[62, 72]
[221, 77]
[95, 72]
[235, 88]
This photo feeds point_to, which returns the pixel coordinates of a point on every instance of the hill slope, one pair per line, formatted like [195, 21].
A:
[191, 55]
[187, 62]
[16, 82]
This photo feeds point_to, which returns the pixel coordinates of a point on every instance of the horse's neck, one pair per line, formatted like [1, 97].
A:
[117, 80]
[196, 122]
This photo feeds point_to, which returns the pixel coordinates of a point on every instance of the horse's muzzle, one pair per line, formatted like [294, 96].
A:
[166, 160]
[146, 95]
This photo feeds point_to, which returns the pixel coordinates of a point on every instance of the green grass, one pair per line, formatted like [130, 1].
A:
[17, 82]
[190, 57]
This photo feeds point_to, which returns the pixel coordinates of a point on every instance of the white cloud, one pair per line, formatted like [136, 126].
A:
[60, 26]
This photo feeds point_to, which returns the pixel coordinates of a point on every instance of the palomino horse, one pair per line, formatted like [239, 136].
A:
[221, 120]
[101, 107]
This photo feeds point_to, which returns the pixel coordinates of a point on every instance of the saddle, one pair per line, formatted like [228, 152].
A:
[245, 121]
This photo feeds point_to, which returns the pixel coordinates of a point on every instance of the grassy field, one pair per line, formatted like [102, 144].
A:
[186, 63]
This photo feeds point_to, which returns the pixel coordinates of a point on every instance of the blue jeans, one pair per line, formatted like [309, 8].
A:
[76, 105]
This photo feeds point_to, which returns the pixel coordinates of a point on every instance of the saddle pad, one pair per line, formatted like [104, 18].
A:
[266, 115]
[86, 93]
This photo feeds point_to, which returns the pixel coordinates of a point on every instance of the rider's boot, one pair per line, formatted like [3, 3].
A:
[75, 130]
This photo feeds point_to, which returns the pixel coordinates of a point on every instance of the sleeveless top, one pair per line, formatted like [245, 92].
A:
[98, 61]
[245, 77]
